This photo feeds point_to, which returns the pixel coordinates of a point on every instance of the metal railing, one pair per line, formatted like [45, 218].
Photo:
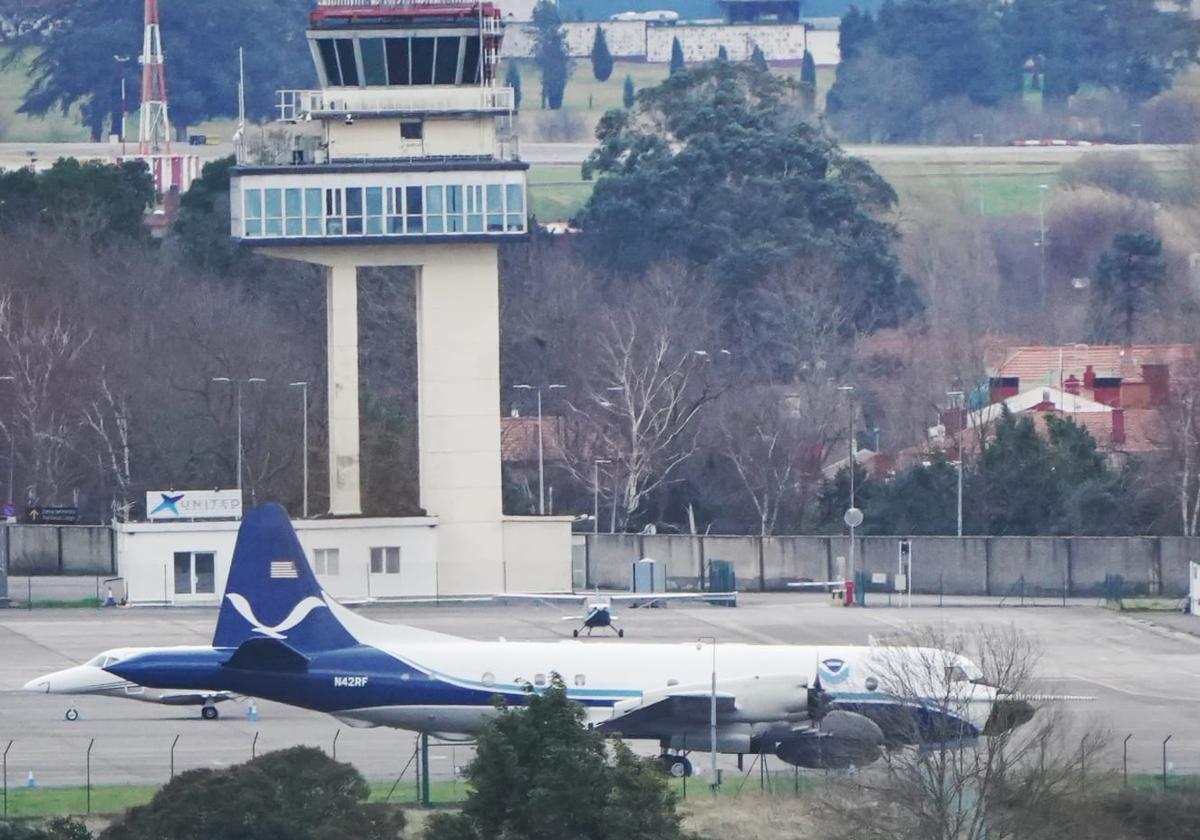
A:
[296, 105]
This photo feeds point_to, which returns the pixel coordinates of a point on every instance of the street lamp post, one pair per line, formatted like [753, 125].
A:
[237, 388]
[712, 714]
[596, 492]
[541, 448]
[303, 386]
[955, 397]
[848, 390]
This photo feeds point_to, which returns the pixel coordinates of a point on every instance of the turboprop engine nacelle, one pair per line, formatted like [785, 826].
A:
[769, 697]
[845, 739]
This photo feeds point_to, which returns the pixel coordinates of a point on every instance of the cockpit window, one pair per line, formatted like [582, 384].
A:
[110, 660]
[96, 661]
[956, 674]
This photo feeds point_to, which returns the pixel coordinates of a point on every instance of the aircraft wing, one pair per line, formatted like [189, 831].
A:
[667, 710]
[192, 698]
[647, 598]
[550, 598]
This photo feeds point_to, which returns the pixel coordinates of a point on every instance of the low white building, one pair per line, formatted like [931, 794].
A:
[356, 560]
[1194, 590]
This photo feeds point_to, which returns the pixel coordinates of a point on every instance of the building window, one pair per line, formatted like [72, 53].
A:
[333, 212]
[385, 560]
[293, 212]
[195, 572]
[254, 212]
[414, 209]
[328, 53]
[374, 211]
[434, 205]
[446, 69]
[488, 678]
[475, 208]
[454, 209]
[345, 55]
[539, 679]
[354, 210]
[397, 61]
[374, 62]
[470, 69]
[516, 207]
[412, 130]
[312, 212]
[495, 207]
[273, 217]
[422, 61]
[325, 561]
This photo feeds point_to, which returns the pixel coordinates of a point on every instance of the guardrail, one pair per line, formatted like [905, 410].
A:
[295, 105]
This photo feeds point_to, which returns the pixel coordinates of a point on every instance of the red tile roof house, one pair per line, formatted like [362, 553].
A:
[1116, 392]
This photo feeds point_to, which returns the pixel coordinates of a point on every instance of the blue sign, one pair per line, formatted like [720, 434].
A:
[8, 511]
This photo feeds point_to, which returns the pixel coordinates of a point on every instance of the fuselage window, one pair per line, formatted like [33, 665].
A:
[580, 680]
[489, 678]
[539, 679]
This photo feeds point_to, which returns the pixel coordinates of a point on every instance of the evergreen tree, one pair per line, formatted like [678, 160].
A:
[808, 78]
[722, 53]
[1128, 279]
[676, 56]
[855, 29]
[550, 53]
[540, 774]
[627, 97]
[602, 60]
[759, 59]
[512, 79]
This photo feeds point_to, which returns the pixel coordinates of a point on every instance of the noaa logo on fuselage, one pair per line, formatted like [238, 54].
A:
[835, 670]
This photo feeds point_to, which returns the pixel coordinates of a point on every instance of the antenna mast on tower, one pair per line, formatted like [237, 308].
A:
[154, 128]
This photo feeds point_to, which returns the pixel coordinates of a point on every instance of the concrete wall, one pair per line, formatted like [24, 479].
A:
[996, 566]
[59, 549]
[537, 554]
[636, 40]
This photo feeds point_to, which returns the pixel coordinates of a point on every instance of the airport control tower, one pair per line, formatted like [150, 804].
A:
[404, 157]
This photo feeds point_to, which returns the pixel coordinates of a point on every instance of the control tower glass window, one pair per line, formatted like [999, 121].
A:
[397, 61]
[374, 62]
[345, 54]
[445, 71]
[422, 61]
[470, 69]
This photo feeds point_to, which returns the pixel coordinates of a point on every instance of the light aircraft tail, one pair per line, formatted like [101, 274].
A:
[272, 593]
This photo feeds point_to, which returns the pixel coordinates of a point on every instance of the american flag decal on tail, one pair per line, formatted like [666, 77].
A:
[283, 569]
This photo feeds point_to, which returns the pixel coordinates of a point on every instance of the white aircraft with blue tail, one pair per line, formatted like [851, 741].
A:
[280, 637]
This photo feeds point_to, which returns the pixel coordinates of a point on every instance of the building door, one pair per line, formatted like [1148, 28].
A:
[195, 573]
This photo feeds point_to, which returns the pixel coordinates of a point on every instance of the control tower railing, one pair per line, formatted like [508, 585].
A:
[296, 105]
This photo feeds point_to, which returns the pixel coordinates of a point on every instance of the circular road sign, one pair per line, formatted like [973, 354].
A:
[853, 517]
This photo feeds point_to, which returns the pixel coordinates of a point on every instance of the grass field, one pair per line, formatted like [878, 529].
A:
[557, 192]
[53, 128]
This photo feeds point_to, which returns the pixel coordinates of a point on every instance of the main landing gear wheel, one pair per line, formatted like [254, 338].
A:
[209, 713]
[620, 634]
[575, 633]
[676, 766]
[72, 714]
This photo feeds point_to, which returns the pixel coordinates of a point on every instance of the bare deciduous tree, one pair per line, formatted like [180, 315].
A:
[654, 373]
[949, 780]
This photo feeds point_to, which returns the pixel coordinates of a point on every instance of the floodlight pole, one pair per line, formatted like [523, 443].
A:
[12, 453]
[596, 493]
[237, 387]
[541, 448]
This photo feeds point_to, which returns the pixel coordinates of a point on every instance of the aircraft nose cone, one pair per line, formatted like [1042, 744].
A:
[40, 685]
[1007, 714]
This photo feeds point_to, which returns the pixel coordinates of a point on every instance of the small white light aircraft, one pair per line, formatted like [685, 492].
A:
[598, 612]
[90, 679]
[280, 637]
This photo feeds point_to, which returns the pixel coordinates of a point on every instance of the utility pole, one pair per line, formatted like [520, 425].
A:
[712, 716]
[1042, 190]
[848, 390]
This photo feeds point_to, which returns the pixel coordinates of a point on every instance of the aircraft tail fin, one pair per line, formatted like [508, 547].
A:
[272, 592]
